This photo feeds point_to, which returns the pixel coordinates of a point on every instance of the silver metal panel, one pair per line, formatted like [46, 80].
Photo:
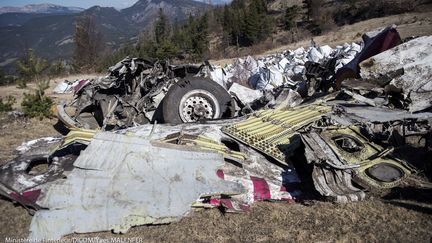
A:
[363, 113]
[124, 180]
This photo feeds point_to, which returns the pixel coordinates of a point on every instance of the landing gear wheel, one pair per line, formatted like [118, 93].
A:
[194, 99]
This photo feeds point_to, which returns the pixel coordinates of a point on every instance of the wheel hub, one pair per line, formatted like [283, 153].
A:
[197, 105]
[197, 108]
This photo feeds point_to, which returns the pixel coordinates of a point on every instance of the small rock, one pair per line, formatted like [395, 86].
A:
[15, 114]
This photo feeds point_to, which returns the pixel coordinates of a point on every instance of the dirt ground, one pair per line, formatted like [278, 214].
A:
[403, 216]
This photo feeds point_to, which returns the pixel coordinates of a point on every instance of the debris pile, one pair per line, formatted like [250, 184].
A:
[289, 68]
[146, 172]
[138, 91]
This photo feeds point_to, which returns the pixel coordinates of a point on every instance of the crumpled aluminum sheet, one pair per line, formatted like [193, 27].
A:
[415, 58]
[245, 94]
[124, 180]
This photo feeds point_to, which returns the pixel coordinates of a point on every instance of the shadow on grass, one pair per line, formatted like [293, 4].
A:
[411, 206]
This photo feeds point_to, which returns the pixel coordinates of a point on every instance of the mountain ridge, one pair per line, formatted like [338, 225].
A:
[51, 35]
[144, 12]
[45, 8]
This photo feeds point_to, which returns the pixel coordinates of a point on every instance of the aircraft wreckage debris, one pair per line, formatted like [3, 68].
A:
[150, 141]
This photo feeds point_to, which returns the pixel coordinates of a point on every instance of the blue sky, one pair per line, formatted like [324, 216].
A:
[72, 3]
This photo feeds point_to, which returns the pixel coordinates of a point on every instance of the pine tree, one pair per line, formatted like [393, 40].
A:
[88, 43]
[30, 68]
[200, 37]
[252, 26]
[290, 16]
[2, 77]
[161, 28]
[237, 26]
[57, 68]
[257, 24]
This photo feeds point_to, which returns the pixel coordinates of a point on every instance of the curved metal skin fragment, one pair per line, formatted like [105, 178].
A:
[78, 136]
[370, 155]
[20, 183]
[119, 178]
[60, 113]
[336, 184]
[330, 175]
[16, 182]
[338, 162]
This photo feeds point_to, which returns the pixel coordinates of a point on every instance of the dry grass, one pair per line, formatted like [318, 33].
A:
[31, 87]
[372, 220]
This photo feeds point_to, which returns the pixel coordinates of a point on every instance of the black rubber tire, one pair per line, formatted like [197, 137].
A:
[171, 101]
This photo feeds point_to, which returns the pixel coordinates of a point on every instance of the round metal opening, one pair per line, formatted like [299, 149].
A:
[385, 172]
[348, 143]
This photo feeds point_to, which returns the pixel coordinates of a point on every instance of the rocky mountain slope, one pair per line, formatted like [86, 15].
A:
[144, 12]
